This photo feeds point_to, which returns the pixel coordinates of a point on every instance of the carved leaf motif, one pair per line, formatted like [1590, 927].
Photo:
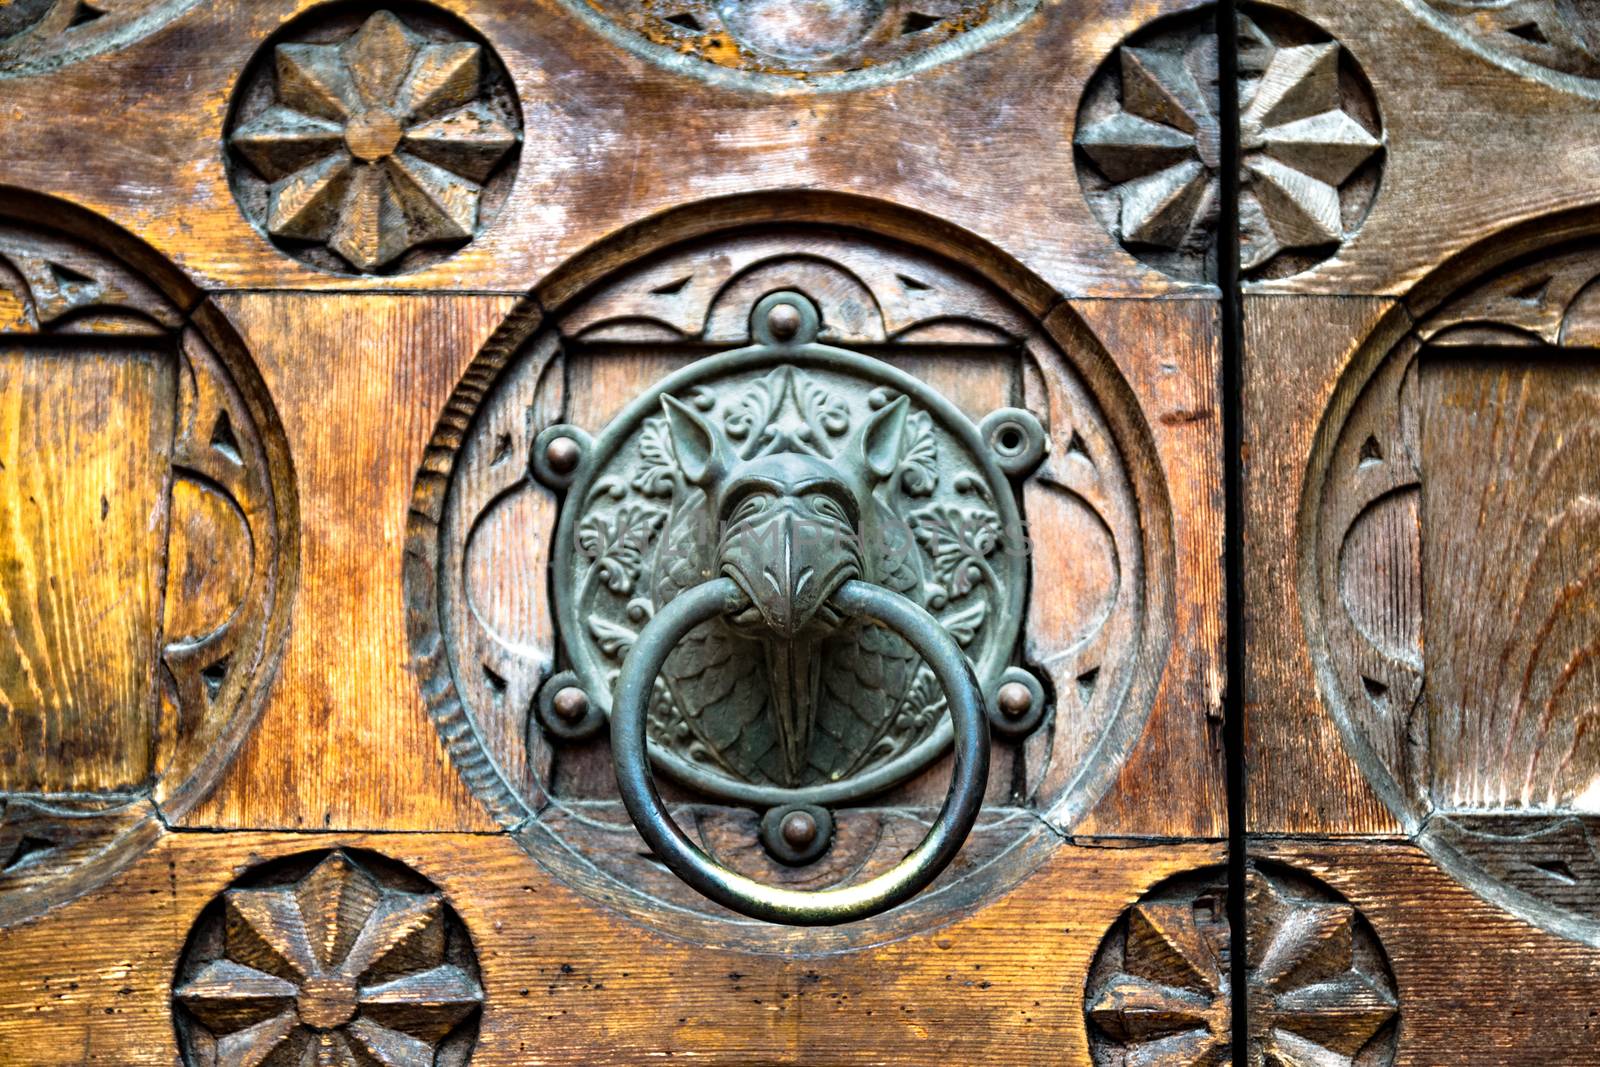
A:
[964, 625]
[823, 407]
[919, 470]
[658, 471]
[755, 408]
[959, 540]
[614, 640]
[618, 548]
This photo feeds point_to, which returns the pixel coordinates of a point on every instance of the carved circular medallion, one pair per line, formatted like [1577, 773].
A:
[570, 494]
[147, 561]
[1321, 991]
[328, 957]
[786, 45]
[1448, 578]
[1149, 144]
[363, 141]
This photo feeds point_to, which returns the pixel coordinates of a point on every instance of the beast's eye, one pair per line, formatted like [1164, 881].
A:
[826, 507]
[750, 506]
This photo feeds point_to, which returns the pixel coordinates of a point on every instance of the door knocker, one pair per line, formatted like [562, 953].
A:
[791, 576]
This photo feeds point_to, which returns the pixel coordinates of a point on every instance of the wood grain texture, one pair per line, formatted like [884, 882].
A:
[1174, 780]
[1299, 776]
[1475, 149]
[983, 143]
[85, 444]
[568, 983]
[1510, 523]
[1476, 985]
[344, 739]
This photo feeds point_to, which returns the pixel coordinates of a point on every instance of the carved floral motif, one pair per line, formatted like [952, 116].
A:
[1150, 143]
[353, 960]
[1320, 989]
[376, 144]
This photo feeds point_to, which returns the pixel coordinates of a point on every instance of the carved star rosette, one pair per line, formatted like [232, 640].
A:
[1150, 147]
[377, 147]
[339, 957]
[1321, 993]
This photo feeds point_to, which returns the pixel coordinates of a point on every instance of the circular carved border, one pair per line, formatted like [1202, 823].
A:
[1362, 500]
[595, 302]
[781, 46]
[69, 282]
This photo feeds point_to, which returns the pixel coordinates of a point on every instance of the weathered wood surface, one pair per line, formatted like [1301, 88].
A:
[567, 983]
[610, 139]
[1299, 777]
[344, 740]
[85, 447]
[1473, 148]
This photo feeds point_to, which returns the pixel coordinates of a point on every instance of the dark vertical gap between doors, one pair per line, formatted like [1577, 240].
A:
[1232, 313]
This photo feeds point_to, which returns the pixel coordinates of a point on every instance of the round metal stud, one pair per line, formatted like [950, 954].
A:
[565, 711]
[1017, 439]
[785, 319]
[557, 454]
[797, 834]
[1016, 704]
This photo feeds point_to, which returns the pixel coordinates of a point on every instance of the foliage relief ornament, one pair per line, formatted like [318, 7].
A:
[352, 960]
[1321, 994]
[863, 472]
[377, 144]
[1150, 147]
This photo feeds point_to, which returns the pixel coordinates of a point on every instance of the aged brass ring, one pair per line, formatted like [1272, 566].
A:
[826, 907]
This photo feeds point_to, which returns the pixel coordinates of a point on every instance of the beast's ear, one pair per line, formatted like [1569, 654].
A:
[702, 453]
[881, 436]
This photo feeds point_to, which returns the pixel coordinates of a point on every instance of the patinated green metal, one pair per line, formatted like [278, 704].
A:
[791, 468]
[876, 607]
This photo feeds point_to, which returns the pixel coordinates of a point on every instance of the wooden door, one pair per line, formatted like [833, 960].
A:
[597, 531]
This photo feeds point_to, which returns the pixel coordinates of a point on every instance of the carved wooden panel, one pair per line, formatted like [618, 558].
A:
[146, 557]
[495, 635]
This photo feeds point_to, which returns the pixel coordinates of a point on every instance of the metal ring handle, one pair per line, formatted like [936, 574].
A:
[826, 907]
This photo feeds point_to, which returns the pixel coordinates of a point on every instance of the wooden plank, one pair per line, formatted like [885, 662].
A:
[345, 740]
[1301, 779]
[1169, 354]
[85, 441]
[568, 982]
